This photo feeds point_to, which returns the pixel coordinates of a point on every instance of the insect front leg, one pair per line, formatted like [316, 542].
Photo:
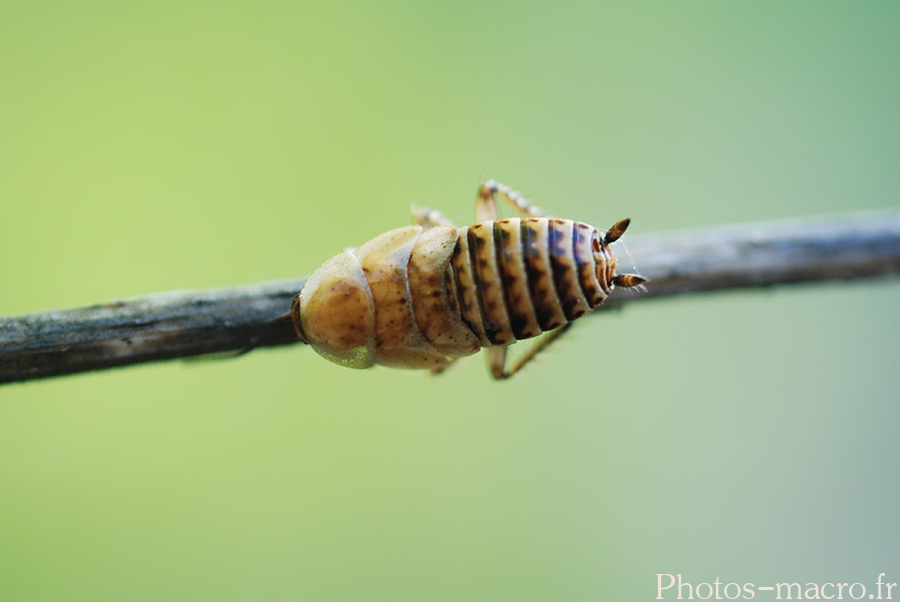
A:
[497, 355]
[486, 202]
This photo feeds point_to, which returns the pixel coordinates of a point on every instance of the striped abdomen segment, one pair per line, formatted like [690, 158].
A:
[516, 278]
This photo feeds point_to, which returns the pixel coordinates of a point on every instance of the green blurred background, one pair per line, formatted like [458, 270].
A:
[750, 436]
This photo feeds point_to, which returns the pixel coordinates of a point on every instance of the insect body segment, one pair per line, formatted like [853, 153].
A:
[424, 295]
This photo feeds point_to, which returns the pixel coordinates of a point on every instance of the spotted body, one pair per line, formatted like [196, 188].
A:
[423, 295]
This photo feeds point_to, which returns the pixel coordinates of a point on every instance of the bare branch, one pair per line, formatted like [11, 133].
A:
[842, 247]
[144, 329]
[183, 324]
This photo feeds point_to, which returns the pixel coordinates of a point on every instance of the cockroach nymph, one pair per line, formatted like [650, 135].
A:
[424, 295]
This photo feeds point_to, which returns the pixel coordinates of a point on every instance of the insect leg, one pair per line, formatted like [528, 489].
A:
[429, 218]
[497, 355]
[486, 202]
[440, 369]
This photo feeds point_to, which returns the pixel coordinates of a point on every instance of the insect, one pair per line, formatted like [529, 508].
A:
[424, 295]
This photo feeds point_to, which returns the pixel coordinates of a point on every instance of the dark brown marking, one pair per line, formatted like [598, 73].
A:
[503, 257]
[559, 268]
[448, 281]
[554, 228]
[540, 276]
[458, 264]
[475, 237]
[529, 235]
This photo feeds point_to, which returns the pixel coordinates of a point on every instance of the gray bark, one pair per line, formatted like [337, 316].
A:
[182, 324]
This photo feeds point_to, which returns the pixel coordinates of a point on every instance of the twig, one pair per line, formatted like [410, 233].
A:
[182, 324]
[841, 247]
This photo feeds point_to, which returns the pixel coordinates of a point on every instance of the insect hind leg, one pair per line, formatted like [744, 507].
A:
[486, 202]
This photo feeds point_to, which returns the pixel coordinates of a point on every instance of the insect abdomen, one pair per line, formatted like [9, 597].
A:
[416, 298]
[516, 278]
[424, 295]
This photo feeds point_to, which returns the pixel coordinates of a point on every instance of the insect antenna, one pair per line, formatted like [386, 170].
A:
[629, 280]
[616, 231]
